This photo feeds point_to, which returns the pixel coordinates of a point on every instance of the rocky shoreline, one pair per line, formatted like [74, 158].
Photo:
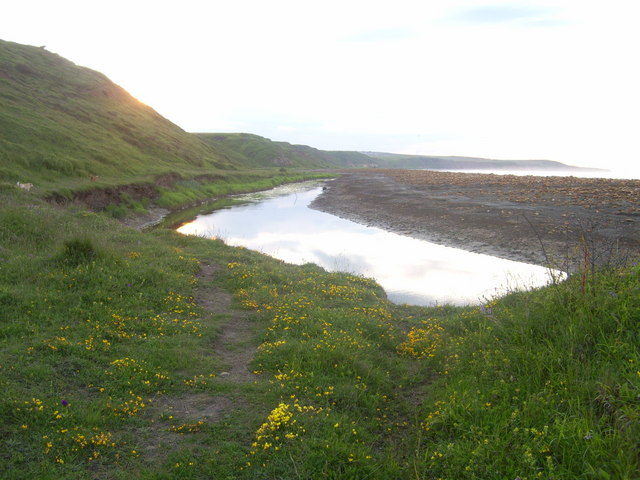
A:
[561, 222]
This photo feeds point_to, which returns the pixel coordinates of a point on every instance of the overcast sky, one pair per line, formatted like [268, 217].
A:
[552, 80]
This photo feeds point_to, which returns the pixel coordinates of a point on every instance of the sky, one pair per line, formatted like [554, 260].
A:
[556, 80]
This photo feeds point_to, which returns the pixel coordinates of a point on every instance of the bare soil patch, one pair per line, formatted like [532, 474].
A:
[193, 407]
[189, 408]
[233, 344]
[537, 220]
[153, 216]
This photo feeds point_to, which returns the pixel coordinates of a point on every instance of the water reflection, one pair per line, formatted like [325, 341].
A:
[279, 223]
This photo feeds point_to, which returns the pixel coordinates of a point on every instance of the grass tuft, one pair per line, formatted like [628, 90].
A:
[78, 251]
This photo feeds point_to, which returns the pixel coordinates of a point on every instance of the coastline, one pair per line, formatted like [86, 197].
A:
[547, 221]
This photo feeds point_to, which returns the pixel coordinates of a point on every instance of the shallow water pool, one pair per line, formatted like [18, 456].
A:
[280, 223]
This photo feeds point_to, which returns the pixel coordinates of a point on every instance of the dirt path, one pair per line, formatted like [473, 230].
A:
[501, 215]
[233, 345]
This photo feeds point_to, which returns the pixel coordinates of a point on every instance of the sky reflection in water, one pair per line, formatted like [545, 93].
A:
[279, 223]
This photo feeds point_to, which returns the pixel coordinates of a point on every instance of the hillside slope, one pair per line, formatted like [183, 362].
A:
[60, 120]
[255, 151]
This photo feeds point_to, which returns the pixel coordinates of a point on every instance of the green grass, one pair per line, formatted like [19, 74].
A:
[547, 386]
[186, 196]
[253, 151]
[109, 367]
[192, 191]
[100, 335]
[64, 122]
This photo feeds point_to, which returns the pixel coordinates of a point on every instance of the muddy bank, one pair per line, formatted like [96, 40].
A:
[152, 217]
[99, 198]
[539, 220]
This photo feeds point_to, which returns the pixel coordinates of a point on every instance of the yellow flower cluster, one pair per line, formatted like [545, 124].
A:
[187, 427]
[34, 405]
[71, 441]
[125, 362]
[180, 304]
[285, 376]
[136, 372]
[198, 380]
[340, 291]
[130, 407]
[433, 416]
[422, 342]
[102, 439]
[281, 426]
[277, 419]
[268, 347]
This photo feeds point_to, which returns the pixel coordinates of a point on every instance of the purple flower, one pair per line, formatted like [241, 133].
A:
[64, 403]
[128, 284]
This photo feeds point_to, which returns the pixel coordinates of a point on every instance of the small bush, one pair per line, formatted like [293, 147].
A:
[116, 211]
[78, 251]
[138, 207]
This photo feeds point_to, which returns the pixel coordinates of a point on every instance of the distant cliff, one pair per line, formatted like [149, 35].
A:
[392, 160]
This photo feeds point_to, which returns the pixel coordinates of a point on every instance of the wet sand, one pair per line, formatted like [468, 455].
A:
[549, 221]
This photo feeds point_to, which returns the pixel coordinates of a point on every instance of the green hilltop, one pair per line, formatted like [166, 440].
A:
[59, 120]
[255, 151]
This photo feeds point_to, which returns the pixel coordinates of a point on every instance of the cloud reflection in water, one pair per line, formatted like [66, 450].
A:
[410, 270]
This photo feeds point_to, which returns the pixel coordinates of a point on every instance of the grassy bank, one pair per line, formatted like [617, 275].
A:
[110, 368]
[121, 197]
[191, 191]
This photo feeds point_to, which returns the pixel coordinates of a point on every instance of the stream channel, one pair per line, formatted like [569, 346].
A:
[279, 223]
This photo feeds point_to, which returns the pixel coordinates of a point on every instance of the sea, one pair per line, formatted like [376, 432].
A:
[587, 173]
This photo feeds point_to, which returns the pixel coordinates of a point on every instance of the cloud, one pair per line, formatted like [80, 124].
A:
[381, 35]
[521, 15]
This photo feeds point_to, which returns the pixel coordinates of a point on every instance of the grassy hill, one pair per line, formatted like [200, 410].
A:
[73, 133]
[255, 151]
[61, 121]
[58, 120]
[62, 125]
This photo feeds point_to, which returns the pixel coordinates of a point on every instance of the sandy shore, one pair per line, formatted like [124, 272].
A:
[540, 220]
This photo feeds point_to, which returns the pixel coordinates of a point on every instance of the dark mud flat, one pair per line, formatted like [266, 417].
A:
[540, 220]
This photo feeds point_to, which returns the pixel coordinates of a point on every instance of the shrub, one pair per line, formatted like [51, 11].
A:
[78, 251]
[116, 211]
